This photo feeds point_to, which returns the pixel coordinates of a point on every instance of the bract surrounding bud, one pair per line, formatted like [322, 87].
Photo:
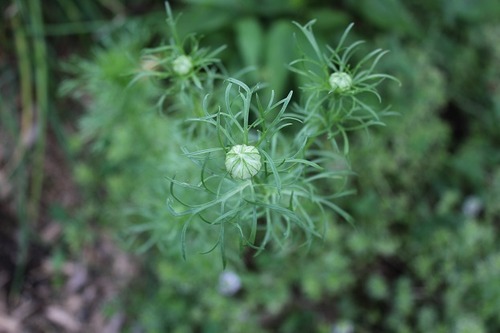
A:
[340, 82]
[243, 162]
[182, 65]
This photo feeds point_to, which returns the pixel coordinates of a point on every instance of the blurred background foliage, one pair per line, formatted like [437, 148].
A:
[424, 253]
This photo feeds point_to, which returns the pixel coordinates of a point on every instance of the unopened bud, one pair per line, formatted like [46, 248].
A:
[243, 162]
[340, 82]
[182, 65]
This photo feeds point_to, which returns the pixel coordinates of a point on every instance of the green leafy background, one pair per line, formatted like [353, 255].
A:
[416, 259]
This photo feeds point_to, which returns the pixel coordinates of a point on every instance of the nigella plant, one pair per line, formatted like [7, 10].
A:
[265, 173]
[188, 70]
[255, 181]
[336, 87]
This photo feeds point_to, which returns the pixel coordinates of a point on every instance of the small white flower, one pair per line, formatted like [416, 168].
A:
[340, 82]
[182, 65]
[243, 162]
[229, 283]
[472, 206]
[343, 327]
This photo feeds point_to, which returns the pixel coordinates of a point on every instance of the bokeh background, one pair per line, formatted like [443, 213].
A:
[83, 160]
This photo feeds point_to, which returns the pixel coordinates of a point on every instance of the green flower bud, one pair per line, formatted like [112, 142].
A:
[243, 162]
[340, 82]
[182, 65]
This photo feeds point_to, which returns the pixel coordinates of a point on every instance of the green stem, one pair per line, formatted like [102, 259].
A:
[41, 88]
[25, 75]
[23, 49]
[28, 203]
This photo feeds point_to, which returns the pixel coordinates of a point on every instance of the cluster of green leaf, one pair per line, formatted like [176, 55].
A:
[423, 255]
[295, 188]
